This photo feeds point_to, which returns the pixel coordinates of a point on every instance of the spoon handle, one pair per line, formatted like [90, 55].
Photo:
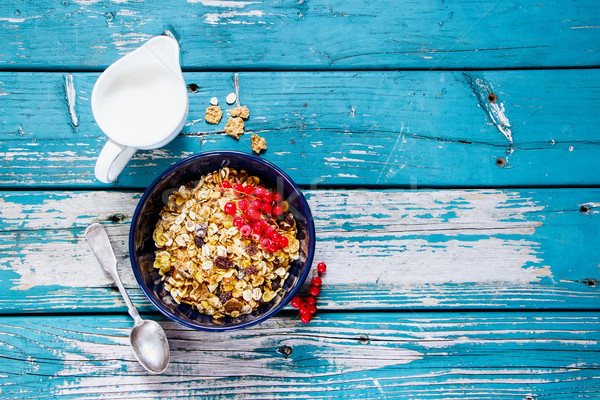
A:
[98, 240]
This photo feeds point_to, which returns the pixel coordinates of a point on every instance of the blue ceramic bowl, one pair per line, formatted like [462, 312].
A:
[141, 244]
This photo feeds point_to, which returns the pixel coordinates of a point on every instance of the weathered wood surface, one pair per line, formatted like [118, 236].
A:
[302, 34]
[338, 355]
[339, 128]
[63, 327]
[385, 249]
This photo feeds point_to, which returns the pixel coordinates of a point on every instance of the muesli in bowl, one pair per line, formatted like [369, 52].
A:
[225, 243]
[169, 258]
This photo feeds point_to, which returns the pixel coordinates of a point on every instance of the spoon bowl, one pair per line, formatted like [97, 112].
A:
[150, 346]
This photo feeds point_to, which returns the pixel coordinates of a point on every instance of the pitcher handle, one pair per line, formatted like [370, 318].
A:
[111, 161]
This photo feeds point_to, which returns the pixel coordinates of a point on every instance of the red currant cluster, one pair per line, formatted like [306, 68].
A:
[308, 308]
[253, 204]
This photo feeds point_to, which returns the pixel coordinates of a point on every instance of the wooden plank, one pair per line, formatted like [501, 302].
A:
[305, 34]
[338, 355]
[385, 249]
[339, 128]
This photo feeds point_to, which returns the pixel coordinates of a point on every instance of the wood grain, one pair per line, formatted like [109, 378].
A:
[338, 355]
[386, 249]
[315, 34]
[412, 129]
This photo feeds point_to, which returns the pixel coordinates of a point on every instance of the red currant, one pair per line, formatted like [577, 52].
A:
[273, 234]
[238, 221]
[238, 188]
[229, 207]
[260, 191]
[313, 309]
[304, 308]
[277, 210]
[243, 204]
[273, 248]
[314, 291]
[246, 230]
[256, 237]
[316, 281]
[266, 208]
[282, 242]
[269, 230]
[259, 226]
[305, 318]
[321, 267]
[296, 301]
[311, 300]
[267, 197]
[225, 185]
[255, 205]
[266, 243]
[276, 197]
[248, 189]
[253, 215]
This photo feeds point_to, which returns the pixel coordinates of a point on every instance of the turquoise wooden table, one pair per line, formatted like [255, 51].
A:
[449, 151]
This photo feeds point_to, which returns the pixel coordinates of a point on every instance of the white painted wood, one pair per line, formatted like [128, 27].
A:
[381, 246]
[343, 354]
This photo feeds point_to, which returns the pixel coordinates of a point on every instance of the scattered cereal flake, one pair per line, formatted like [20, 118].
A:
[258, 143]
[214, 101]
[240, 111]
[213, 114]
[231, 97]
[235, 127]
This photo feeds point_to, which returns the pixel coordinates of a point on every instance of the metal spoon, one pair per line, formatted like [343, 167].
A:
[148, 340]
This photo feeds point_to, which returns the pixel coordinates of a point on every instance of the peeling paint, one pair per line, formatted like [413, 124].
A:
[223, 3]
[71, 95]
[19, 20]
[123, 41]
[215, 18]
[236, 88]
[494, 109]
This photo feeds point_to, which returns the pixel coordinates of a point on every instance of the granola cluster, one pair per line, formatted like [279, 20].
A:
[213, 114]
[258, 143]
[205, 254]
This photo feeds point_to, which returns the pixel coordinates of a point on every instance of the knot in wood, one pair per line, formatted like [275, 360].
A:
[285, 350]
[116, 218]
[591, 282]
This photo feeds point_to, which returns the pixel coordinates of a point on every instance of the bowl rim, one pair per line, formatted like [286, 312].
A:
[284, 301]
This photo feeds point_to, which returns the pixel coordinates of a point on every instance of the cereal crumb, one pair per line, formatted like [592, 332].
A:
[230, 99]
[213, 115]
[240, 111]
[214, 101]
[258, 143]
[235, 127]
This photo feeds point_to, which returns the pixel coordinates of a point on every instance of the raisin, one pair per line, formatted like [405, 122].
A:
[276, 284]
[190, 185]
[223, 263]
[251, 250]
[198, 241]
[224, 296]
[251, 270]
[286, 222]
[233, 305]
[200, 230]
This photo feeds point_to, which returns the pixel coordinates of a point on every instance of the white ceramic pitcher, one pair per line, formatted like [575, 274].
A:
[139, 102]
